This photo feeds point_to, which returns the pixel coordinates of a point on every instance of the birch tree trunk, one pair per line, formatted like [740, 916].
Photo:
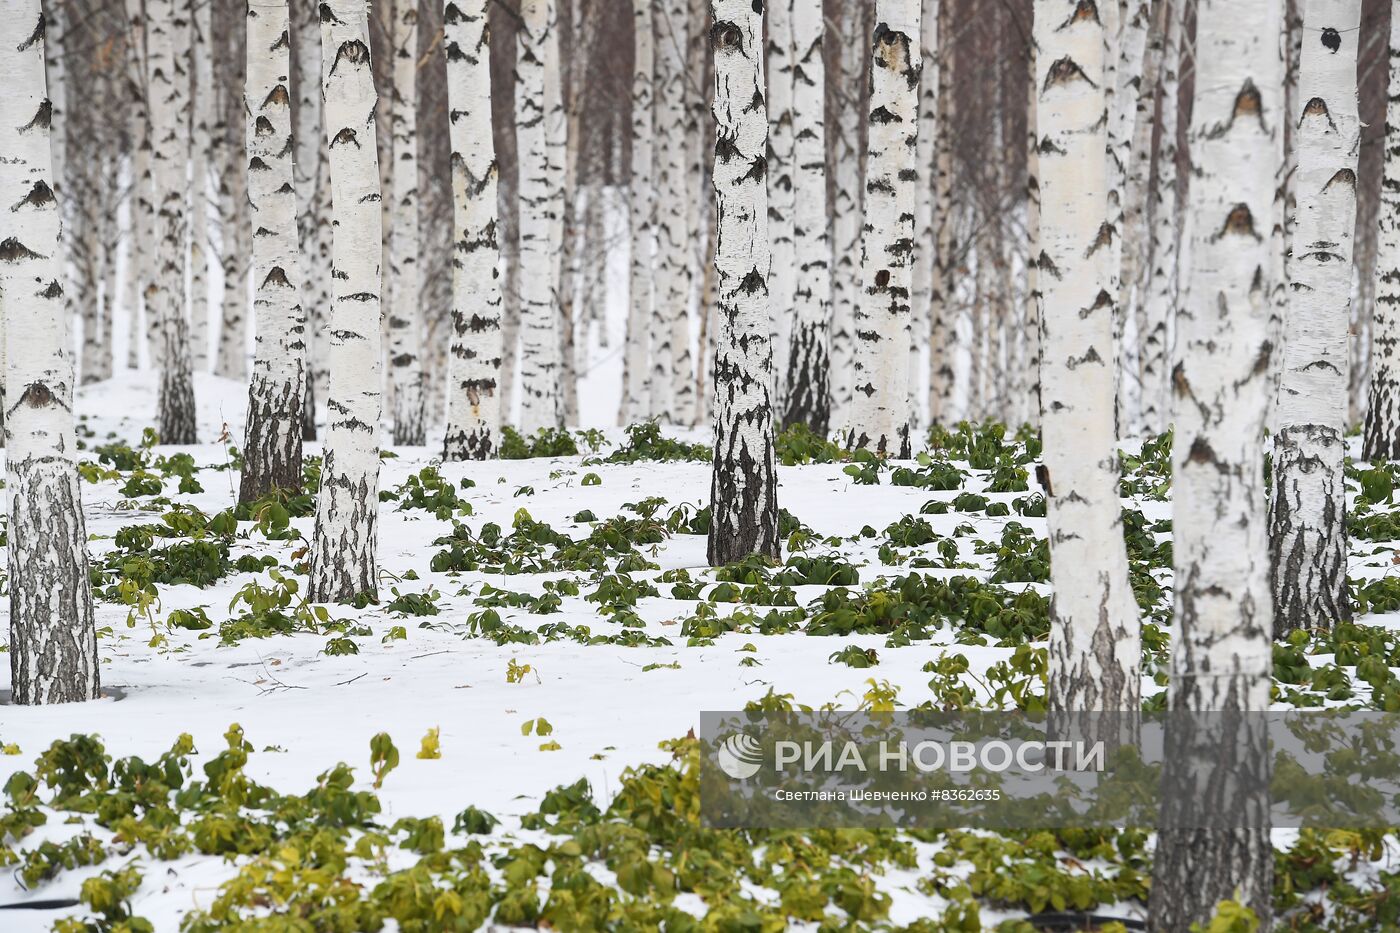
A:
[539, 263]
[807, 393]
[1381, 437]
[405, 306]
[879, 418]
[313, 206]
[925, 234]
[641, 215]
[1135, 232]
[1165, 247]
[1094, 637]
[1307, 519]
[201, 62]
[53, 641]
[1033, 295]
[272, 430]
[1125, 22]
[141, 198]
[672, 295]
[944, 340]
[235, 234]
[343, 547]
[168, 30]
[744, 488]
[474, 371]
[1222, 639]
[848, 200]
[782, 198]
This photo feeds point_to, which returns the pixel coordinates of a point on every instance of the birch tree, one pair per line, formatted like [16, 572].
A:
[405, 311]
[1164, 249]
[343, 547]
[272, 430]
[925, 256]
[167, 29]
[313, 206]
[1033, 295]
[202, 66]
[846, 209]
[474, 371]
[780, 174]
[641, 214]
[672, 212]
[1381, 437]
[53, 640]
[1094, 637]
[1307, 519]
[806, 392]
[879, 418]
[1222, 637]
[744, 487]
[539, 264]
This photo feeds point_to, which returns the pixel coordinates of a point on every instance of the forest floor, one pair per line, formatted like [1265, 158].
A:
[578, 644]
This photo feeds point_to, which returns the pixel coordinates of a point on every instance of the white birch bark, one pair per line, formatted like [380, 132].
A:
[1222, 636]
[235, 236]
[1381, 437]
[806, 392]
[925, 233]
[672, 281]
[140, 246]
[1126, 23]
[1033, 295]
[699, 146]
[744, 489]
[556, 143]
[1094, 636]
[879, 415]
[1160, 299]
[53, 641]
[944, 340]
[272, 429]
[847, 209]
[406, 388]
[474, 371]
[782, 199]
[641, 215]
[539, 263]
[168, 29]
[1135, 232]
[343, 562]
[1307, 519]
[202, 66]
[313, 205]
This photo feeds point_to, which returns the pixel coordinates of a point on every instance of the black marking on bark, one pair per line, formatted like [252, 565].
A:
[36, 36]
[43, 117]
[40, 195]
[12, 251]
[1331, 40]
[1239, 222]
[1344, 176]
[1065, 71]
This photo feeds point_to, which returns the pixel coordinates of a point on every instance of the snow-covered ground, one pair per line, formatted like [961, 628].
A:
[609, 705]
